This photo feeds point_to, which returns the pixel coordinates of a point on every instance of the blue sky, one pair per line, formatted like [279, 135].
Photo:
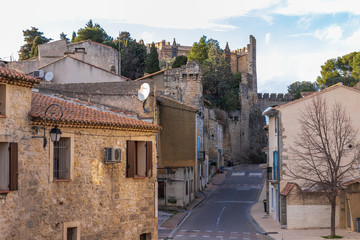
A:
[294, 37]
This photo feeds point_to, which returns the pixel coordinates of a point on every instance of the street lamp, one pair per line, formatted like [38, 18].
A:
[55, 133]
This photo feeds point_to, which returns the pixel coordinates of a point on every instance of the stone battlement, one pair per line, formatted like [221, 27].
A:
[275, 97]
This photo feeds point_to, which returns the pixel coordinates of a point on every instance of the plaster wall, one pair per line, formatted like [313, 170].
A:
[69, 70]
[291, 113]
[308, 216]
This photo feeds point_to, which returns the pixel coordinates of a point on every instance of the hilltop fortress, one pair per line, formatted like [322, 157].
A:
[244, 128]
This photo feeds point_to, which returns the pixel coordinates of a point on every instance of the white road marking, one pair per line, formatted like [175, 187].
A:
[179, 235]
[238, 174]
[234, 232]
[218, 219]
[196, 230]
[255, 174]
[206, 236]
[208, 231]
[233, 237]
[235, 202]
[246, 233]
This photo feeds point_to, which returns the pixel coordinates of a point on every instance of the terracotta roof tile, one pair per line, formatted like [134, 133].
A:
[286, 190]
[78, 115]
[352, 181]
[15, 77]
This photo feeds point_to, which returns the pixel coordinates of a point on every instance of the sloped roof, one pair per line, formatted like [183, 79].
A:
[75, 115]
[352, 181]
[151, 75]
[333, 87]
[287, 188]
[16, 78]
[92, 42]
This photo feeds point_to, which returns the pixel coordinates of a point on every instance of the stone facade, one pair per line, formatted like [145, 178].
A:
[98, 199]
[165, 50]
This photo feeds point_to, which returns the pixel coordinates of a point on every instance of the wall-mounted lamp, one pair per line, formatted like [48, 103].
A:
[55, 133]
[3, 197]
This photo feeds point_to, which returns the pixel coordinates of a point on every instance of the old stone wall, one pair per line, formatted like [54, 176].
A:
[118, 95]
[182, 84]
[99, 197]
[266, 100]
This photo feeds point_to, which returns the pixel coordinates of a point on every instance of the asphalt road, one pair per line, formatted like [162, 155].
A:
[226, 213]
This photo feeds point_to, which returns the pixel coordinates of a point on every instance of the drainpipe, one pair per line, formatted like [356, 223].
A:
[278, 165]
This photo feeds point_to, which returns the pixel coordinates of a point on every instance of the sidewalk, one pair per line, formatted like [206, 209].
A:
[166, 227]
[274, 230]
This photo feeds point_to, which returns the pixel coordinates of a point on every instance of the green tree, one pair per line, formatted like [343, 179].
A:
[345, 69]
[93, 32]
[220, 86]
[179, 61]
[73, 36]
[297, 87]
[152, 60]
[133, 55]
[28, 50]
[199, 51]
[63, 36]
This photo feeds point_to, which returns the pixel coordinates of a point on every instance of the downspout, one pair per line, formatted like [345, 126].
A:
[278, 165]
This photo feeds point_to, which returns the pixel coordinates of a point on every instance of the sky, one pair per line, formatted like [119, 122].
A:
[293, 37]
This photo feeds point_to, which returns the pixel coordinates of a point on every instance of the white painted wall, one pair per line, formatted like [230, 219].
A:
[309, 216]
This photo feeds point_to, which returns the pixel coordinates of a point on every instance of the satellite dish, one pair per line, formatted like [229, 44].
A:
[144, 91]
[49, 76]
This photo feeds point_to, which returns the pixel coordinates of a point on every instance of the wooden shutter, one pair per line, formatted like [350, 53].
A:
[149, 154]
[13, 154]
[130, 158]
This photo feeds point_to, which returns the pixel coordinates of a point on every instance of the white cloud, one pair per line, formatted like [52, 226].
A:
[332, 33]
[147, 37]
[267, 37]
[353, 40]
[308, 7]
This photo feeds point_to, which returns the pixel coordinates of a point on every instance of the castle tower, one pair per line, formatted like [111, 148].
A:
[174, 49]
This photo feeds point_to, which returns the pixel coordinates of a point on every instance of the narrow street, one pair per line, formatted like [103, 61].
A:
[226, 213]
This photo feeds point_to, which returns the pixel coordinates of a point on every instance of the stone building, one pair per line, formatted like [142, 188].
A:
[85, 186]
[166, 51]
[96, 54]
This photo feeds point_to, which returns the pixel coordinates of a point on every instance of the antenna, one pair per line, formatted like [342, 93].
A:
[144, 91]
[143, 94]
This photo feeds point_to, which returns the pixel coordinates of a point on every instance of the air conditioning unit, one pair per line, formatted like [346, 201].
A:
[39, 73]
[112, 155]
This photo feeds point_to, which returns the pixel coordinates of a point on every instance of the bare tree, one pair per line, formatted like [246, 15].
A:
[325, 152]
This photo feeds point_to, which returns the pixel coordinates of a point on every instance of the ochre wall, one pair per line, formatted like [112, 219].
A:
[99, 197]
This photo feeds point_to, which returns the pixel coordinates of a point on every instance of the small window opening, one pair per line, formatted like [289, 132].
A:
[71, 233]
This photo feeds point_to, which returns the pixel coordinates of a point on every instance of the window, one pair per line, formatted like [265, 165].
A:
[72, 230]
[162, 187]
[187, 187]
[61, 155]
[145, 236]
[2, 100]
[139, 159]
[62, 159]
[8, 166]
[71, 233]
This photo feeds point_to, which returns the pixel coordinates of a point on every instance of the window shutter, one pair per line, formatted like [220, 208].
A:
[13, 150]
[130, 158]
[149, 159]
